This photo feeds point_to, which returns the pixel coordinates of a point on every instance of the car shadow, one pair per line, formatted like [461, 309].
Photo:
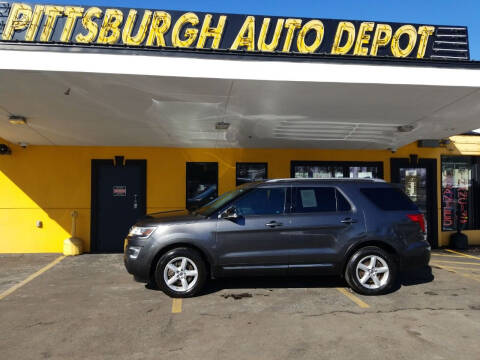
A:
[417, 277]
[267, 283]
[406, 278]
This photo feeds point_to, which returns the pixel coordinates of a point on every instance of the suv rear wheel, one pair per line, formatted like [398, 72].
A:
[180, 272]
[371, 271]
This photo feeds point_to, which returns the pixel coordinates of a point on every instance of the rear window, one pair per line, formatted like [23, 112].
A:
[391, 199]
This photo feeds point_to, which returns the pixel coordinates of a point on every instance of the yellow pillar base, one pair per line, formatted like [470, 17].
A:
[72, 247]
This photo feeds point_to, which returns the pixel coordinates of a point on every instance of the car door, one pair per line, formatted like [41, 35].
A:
[257, 241]
[323, 220]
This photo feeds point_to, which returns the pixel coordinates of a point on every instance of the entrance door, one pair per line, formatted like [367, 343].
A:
[118, 201]
[417, 177]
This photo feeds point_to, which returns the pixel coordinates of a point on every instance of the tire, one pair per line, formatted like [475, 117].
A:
[364, 279]
[185, 268]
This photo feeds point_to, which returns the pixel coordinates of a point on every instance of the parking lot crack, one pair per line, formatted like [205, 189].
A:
[40, 323]
[383, 311]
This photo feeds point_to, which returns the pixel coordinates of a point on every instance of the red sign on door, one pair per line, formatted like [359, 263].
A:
[119, 190]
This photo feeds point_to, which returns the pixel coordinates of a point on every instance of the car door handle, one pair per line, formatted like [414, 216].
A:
[273, 224]
[348, 221]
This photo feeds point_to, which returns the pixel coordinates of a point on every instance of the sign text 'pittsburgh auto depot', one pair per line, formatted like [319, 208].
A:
[77, 25]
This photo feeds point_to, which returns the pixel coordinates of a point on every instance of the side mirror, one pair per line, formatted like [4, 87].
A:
[229, 214]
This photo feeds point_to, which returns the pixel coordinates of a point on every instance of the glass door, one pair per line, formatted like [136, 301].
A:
[414, 182]
[418, 180]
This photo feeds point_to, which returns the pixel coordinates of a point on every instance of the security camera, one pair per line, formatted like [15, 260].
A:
[5, 150]
[393, 150]
[23, 145]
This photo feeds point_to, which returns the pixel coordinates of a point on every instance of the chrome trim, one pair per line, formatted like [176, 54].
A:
[310, 265]
[255, 267]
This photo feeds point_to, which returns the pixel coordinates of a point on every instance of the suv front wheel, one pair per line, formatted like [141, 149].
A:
[371, 271]
[180, 272]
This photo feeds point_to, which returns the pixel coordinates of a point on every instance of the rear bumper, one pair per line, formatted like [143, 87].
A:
[417, 255]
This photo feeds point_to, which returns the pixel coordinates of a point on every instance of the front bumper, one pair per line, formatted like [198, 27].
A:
[140, 266]
[415, 256]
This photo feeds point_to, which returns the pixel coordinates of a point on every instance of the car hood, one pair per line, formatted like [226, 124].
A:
[169, 217]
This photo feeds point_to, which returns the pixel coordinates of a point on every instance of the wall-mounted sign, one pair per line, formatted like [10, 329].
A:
[120, 190]
[157, 29]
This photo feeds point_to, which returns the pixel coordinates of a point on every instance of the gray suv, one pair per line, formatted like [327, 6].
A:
[364, 230]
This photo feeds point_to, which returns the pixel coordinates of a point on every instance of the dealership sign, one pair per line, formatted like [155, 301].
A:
[219, 33]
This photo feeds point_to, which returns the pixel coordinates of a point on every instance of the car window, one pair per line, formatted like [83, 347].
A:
[389, 198]
[318, 199]
[262, 201]
[342, 203]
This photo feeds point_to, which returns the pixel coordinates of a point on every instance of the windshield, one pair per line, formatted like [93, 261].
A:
[222, 200]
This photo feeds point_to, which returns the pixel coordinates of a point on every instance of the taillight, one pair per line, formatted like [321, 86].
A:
[418, 218]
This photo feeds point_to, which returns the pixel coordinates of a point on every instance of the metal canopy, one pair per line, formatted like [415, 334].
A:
[99, 99]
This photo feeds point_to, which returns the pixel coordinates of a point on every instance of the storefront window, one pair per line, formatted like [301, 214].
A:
[363, 172]
[249, 172]
[340, 169]
[459, 179]
[202, 184]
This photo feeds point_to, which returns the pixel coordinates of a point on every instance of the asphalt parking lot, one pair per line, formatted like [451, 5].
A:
[88, 307]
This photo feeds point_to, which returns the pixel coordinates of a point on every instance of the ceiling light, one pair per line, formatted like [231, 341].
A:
[221, 125]
[17, 119]
[405, 128]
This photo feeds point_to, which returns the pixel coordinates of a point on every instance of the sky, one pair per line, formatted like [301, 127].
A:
[435, 12]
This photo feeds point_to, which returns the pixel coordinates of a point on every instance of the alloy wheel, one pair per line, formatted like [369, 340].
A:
[180, 274]
[372, 272]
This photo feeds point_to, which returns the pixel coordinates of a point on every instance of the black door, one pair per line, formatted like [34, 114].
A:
[418, 178]
[118, 201]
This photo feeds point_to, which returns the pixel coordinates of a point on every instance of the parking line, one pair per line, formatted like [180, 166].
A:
[465, 255]
[448, 268]
[31, 277]
[176, 306]
[355, 299]
[458, 262]
[458, 267]
[452, 256]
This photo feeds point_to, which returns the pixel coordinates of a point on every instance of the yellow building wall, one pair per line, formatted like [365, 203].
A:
[46, 183]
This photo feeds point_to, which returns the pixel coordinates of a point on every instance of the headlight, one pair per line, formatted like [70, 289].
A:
[143, 232]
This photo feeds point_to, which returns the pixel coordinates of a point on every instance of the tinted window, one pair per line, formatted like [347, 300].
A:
[314, 199]
[389, 198]
[342, 203]
[267, 201]
[319, 199]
